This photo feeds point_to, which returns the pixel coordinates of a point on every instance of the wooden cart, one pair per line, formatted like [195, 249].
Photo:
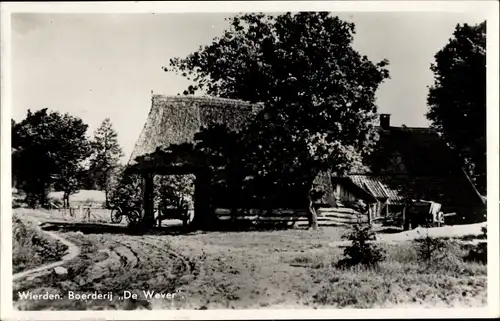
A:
[423, 213]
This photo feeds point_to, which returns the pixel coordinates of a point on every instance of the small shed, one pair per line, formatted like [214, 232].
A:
[413, 164]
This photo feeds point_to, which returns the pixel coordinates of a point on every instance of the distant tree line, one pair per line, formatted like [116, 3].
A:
[51, 152]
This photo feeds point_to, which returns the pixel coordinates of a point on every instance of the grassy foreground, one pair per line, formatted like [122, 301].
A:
[31, 248]
[403, 279]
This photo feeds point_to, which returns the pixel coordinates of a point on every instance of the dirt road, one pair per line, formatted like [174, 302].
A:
[234, 270]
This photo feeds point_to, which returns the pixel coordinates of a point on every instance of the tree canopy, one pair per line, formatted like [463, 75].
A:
[105, 158]
[318, 93]
[457, 99]
[48, 149]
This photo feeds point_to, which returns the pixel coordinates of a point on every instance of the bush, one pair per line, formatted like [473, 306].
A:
[361, 251]
[431, 250]
[479, 253]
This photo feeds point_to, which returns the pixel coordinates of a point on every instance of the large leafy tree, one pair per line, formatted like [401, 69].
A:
[457, 100]
[48, 150]
[105, 157]
[318, 93]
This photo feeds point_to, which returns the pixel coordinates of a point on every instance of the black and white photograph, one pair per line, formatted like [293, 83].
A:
[297, 159]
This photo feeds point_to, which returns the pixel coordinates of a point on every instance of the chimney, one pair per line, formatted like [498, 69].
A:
[385, 121]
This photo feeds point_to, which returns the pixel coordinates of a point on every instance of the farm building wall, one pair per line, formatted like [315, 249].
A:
[342, 194]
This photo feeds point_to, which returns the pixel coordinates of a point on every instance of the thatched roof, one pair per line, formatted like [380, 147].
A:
[176, 119]
[414, 151]
[416, 163]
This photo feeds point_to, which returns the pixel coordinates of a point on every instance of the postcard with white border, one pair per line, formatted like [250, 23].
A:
[262, 160]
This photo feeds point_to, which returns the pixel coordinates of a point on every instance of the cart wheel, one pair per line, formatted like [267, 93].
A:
[440, 219]
[133, 217]
[116, 215]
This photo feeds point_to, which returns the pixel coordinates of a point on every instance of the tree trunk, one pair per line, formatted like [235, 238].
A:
[312, 215]
[65, 200]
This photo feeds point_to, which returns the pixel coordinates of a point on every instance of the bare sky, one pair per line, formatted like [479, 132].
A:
[102, 65]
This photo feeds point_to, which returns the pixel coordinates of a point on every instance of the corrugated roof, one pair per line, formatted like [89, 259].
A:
[375, 186]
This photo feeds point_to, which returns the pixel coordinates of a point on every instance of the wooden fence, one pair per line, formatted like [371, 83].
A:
[83, 214]
[298, 217]
[326, 216]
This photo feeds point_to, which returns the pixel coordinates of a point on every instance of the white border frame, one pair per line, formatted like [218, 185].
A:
[490, 10]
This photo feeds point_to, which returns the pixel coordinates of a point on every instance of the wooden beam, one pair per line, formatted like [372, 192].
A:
[147, 199]
[204, 215]
[404, 217]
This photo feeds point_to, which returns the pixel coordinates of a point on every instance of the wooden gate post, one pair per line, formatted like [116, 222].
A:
[203, 213]
[147, 199]
[404, 218]
[370, 215]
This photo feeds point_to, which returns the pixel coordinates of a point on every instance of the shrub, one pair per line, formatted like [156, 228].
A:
[361, 251]
[431, 250]
[479, 253]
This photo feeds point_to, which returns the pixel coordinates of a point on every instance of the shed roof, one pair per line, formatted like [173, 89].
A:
[378, 187]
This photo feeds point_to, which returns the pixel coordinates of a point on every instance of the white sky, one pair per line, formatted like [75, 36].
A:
[103, 65]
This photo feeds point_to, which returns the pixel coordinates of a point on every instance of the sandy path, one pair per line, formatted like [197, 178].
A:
[445, 231]
[455, 231]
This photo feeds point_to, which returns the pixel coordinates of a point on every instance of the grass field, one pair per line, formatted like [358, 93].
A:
[257, 269]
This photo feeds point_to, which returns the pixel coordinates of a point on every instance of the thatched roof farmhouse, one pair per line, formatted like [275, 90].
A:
[174, 120]
[408, 163]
